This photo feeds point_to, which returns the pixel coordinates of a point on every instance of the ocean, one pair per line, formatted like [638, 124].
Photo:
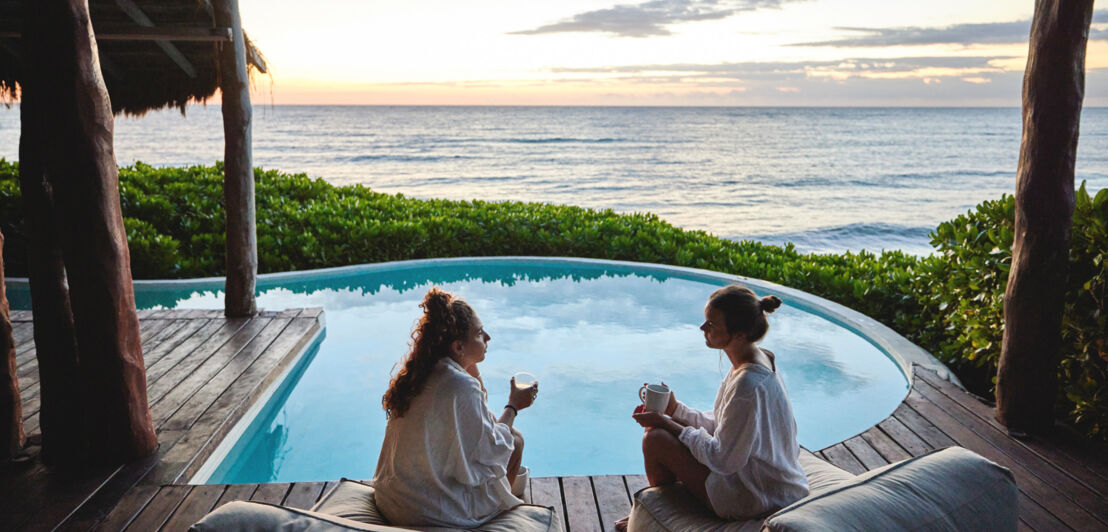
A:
[826, 179]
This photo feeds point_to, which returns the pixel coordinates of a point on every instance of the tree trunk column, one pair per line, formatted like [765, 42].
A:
[79, 165]
[1053, 89]
[238, 167]
[11, 406]
[60, 414]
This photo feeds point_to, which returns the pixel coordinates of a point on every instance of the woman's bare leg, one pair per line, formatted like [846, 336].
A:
[667, 460]
[516, 459]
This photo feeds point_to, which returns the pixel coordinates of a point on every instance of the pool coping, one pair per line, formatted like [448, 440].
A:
[216, 452]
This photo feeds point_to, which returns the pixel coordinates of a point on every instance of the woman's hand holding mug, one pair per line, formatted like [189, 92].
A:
[658, 403]
[524, 397]
[672, 406]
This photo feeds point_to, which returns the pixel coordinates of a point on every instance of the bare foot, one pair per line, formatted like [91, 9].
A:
[621, 525]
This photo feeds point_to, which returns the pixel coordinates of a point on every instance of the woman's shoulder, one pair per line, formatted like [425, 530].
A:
[451, 376]
[751, 377]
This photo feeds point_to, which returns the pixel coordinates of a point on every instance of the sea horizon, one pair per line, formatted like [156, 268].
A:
[828, 179]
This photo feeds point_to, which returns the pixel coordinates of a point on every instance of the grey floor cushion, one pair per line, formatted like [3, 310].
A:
[951, 489]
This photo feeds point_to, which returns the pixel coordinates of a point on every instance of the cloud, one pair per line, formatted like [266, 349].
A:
[963, 34]
[651, 19]
[850, 67]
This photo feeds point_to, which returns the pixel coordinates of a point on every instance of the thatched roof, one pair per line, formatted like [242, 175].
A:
[153, 53]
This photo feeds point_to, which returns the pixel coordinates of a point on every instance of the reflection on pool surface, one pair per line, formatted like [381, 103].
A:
[591, 332]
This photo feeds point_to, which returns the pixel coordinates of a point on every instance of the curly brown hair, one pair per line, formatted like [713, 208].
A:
[446, 318]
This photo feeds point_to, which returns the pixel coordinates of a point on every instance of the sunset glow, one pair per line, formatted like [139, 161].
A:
[660, 52]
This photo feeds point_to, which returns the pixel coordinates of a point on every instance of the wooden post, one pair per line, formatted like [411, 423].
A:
[11, 406]
[79, 166]
[1053, 89]
[238, 167]
[63, 434]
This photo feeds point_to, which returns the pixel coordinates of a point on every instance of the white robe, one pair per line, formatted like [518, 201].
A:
[748, 442]
[444, 462]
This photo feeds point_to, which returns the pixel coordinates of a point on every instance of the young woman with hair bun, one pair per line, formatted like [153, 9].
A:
[741, 458]
[447, 460]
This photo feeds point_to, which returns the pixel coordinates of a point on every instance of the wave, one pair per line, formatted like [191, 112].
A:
[894, 180]
[405, 158]
[872, 236]
[563, 140]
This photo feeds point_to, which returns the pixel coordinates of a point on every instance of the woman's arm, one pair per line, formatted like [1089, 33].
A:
[691, 417]
[655, 420]
[518, 399]
[508, 416]
[727, 450]
[484, 445]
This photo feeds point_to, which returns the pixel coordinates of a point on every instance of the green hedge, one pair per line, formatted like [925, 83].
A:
[965, 302]
[949, 303]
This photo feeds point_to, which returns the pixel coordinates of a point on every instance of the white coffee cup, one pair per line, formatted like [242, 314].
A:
[655, 397]
[519, 487]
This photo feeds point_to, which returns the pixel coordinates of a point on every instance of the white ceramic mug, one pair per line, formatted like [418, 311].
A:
[655, 397]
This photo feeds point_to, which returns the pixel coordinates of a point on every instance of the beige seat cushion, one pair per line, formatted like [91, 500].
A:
[951, 489]
[351, 500]
[673, 509]
[242, 516]
[355, 501]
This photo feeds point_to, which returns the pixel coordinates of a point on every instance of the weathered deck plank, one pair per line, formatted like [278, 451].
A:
[118, 498]
[201, 387]
[304, 495]
[199, 501]
[547, 491]
[158, 510]
[236, 492]
[132, 503]
[223, 343]
[1088, 470]
[272, 493]
[1065, 485]
[885, 446]
[839, 455]
[22, 331]
[865, 453]
[581, 512]
[611, 499]
[1071, 514]
[635, 483]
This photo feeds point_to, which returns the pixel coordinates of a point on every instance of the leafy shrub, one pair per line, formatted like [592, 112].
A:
[965, 303]
[1083, 372]
[152, 254]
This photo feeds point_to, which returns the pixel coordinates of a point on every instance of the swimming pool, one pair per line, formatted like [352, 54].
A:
[592, 331]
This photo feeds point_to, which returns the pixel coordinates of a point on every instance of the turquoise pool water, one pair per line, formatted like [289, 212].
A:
[593, 333]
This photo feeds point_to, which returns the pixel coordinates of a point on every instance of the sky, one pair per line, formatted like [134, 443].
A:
[657, 52]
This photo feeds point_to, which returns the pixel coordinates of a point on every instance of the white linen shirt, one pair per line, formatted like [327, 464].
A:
[748, 442]
[444, 462]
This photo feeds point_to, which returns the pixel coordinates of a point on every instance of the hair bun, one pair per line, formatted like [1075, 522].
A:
[769, 304]
[436, 303]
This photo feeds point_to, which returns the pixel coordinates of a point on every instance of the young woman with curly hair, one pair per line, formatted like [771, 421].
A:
[447, 460]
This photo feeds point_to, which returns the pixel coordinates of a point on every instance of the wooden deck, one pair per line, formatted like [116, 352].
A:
[1062, 485]
[203, 371]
